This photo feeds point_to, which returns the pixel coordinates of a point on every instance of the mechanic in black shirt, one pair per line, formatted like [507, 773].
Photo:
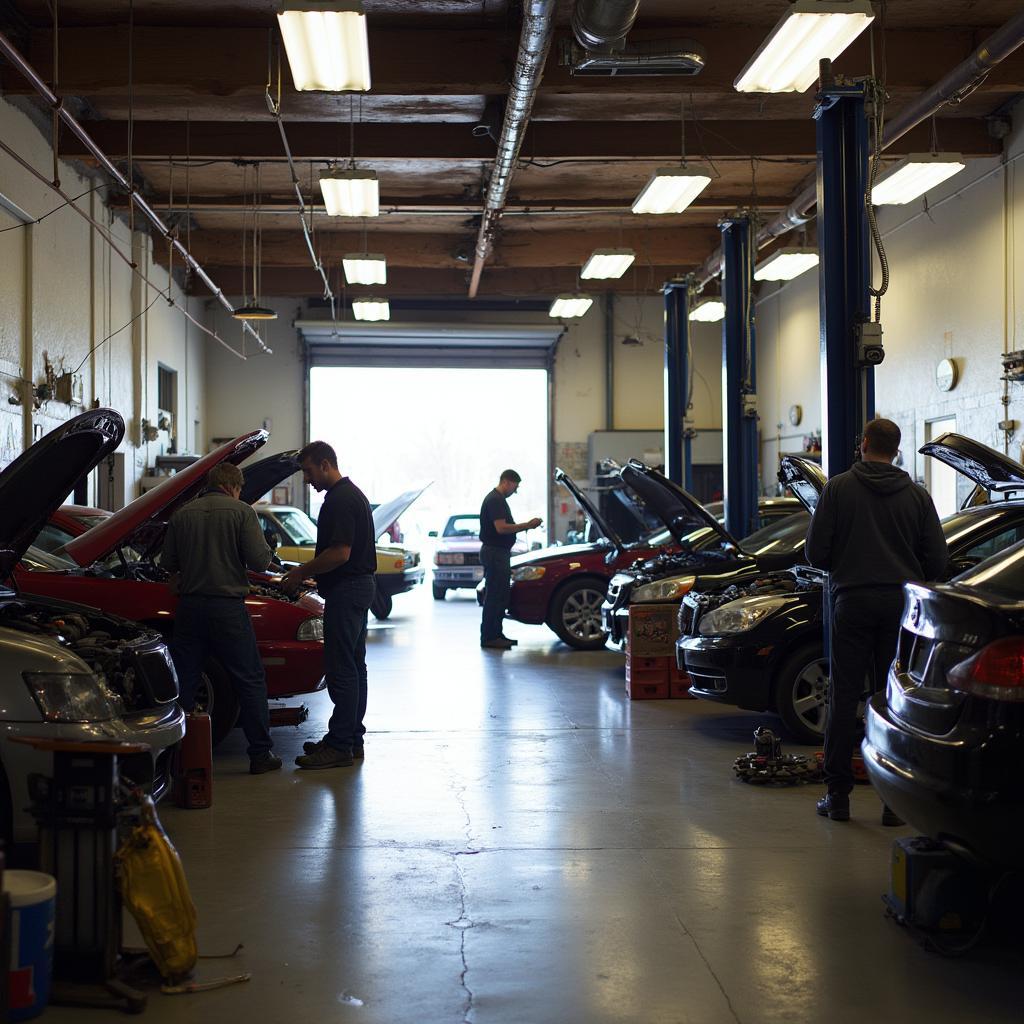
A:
[873, 530]
[345, 561]
[497, 536]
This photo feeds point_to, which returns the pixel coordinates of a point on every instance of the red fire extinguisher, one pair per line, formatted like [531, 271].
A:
[192, 765]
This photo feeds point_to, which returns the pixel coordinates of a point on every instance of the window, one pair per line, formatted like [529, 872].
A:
[167, 389]
[463, 526]
[297, 527]
[51, 537]
[992, 545]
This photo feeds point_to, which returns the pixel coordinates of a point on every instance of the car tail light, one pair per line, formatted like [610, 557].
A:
[996, 671]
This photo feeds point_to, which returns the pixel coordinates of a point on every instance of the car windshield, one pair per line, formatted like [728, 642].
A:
[1002, 574]
[299, 527]
[462, 526]
[36, 559]
[783, 536]
[90, 521]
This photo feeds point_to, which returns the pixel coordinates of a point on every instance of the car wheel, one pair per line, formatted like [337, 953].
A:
[801, 694]
[439, 592]
[381, 606]
[217, 698]
[575, 614]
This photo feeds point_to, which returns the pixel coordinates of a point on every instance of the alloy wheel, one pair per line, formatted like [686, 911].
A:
[581, 614]
[810, 695]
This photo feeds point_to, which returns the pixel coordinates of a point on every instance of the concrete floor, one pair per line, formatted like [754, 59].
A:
[524, 845]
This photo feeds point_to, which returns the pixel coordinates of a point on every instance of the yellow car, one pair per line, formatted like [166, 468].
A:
[293, 534]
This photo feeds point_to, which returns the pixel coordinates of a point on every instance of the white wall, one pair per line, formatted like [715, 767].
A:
[63, 291]
[955, 292]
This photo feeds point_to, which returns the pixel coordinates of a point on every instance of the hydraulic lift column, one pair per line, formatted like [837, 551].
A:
[678, 461]
[850, 344]
[739, 379]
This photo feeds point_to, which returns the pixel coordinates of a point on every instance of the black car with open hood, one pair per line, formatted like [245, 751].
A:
[759, 645]
[706, 553]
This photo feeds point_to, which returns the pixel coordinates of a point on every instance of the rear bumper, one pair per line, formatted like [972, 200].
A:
[727, 672]
[955, 787]
[392, 583]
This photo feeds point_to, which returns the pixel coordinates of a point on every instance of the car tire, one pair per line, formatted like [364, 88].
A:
[216, 696]
[575, 613]
[439, 592]
[381, 607]
[801, 691]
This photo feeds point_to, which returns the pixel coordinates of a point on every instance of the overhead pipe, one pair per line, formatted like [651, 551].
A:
[534, 43]
[949, 89]
[56, 103]
[602, 25]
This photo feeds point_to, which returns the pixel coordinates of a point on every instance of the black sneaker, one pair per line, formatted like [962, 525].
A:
[325, 757]
[263, 763]
[310, 745]
[497, 644]
[890, 818]
[835, 806]
[509, 640]
[357, 751]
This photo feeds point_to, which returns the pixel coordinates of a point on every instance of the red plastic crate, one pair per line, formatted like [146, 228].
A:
[647, 678]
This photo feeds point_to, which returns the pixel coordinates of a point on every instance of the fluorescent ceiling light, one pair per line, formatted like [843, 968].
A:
[351, 193]
[671, 190]
[365, 268]
[708, 311]
[913, 176]
[787, 61]
[371, 308]
[605, 264]
[566, 307]
[785, 264]
[326, 45]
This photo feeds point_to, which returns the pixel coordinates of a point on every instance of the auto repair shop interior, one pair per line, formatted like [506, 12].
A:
[665, 259]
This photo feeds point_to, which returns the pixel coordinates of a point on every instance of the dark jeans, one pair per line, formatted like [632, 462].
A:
[498, 585]
[220, 626]
[865, 631]
[345, 608]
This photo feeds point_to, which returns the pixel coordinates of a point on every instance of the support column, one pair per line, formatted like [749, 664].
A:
[848, 351]
[678, 436]
[739, 379]
[609, 360]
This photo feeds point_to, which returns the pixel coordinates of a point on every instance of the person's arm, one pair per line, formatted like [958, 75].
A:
[818, 546]
[335, 555]
[502, 527]
[934, 551]
[256, 552]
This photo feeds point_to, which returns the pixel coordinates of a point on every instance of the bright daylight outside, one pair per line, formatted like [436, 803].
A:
[454, 429]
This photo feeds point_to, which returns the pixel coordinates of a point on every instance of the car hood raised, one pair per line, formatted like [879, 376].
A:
[263, 476]
[142, 522]
[805, 478]
[35, 484]
[985, 466]
[588, 507]
[558, 551]
[384, 515]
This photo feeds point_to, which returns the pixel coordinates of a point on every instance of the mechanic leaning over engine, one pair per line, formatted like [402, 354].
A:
[210, 545]
[873, 530]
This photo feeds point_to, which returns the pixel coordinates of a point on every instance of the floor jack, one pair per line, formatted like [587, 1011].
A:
[283, 714]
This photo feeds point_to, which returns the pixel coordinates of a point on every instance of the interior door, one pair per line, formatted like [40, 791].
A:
[940, 479]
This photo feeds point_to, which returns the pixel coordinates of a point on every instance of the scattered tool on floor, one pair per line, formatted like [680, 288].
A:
[767, 765]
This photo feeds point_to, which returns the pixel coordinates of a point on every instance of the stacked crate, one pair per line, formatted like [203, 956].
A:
[651, 672]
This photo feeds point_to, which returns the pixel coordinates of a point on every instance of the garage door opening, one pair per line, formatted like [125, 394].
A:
[457, 429]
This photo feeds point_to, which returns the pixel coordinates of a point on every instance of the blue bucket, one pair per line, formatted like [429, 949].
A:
[33, 897]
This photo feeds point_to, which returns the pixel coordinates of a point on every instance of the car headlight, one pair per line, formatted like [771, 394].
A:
[527, 572]
[311, 629]
[70, 696]
[739, 616]
[671, 589]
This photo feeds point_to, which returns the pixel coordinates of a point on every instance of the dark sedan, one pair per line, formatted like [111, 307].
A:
[944, 742]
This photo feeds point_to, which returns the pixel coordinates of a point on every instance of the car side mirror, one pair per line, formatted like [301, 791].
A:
[271, 537]
[433, 533]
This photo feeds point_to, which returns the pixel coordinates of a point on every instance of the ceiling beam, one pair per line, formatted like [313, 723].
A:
[546, 140]
[670, 247]
[201, 61]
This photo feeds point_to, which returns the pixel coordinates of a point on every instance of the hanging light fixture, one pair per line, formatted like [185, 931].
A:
[708, 311]
[326, 45]
[671, 190]
[607, 264]
[809, 31]
[785, 264]
[253, 310]
[365, 268]
[371, 308]
[913, 176]
[570, 306]
[351, 193]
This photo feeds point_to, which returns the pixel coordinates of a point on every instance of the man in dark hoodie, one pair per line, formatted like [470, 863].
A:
[873, 530]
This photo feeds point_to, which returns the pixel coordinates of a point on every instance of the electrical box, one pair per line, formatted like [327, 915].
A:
[869, 344]
[68, 389]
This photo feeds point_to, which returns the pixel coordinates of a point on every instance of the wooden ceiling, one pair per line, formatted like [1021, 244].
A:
[202, 135]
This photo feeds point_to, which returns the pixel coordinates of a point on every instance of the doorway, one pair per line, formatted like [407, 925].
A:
[940, 479]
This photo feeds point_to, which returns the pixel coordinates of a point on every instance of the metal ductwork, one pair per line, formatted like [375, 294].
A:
[649, 59]
[534, 44]
[961, 81]
[603, 25]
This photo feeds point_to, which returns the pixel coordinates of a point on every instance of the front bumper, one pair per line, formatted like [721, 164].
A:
[457, 576]
[615, 622]
[726, 670]
[292, 666]
[961, 786]
[392, 583]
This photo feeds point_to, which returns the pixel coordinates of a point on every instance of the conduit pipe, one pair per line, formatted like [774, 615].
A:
[534, 43]
[949, 89]
[603, 25]
[56, 103]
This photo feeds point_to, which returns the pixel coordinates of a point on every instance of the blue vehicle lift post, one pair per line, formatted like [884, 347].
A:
[739, 379]
[678, 445]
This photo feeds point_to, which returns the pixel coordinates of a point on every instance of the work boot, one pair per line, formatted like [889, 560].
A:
[509, 640]
[497, 644]
[325, 757]
[260, 764]
[890, 818]
[835, 806]
[310, 745]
